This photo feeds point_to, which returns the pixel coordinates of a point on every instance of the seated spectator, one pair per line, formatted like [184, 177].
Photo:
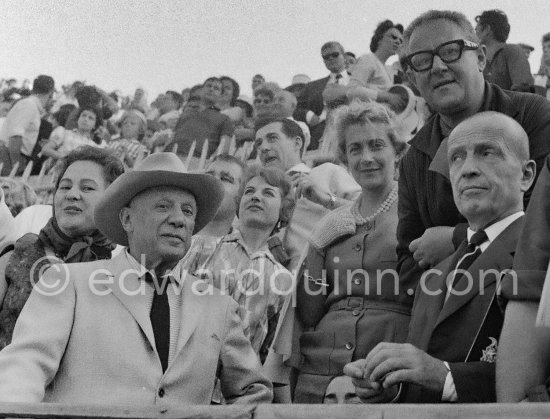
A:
[92, 97]
[507, 66]
[351, 60]
[263, 102]
[456, 320]
[284, 105]
[169, 109]
[139, 102]
[208, 123]
[227, 105]
[73, 345]
[89, 119]
[230, 171]
[70, 235]
[361, 309]
[370, 78]
[18, 194]
[242, 265]
[132, 132]
[257, 80]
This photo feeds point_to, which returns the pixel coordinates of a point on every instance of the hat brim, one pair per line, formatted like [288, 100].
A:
[207, 190]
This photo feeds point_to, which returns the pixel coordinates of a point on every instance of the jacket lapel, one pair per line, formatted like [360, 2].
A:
[496, 258]
[124, 285]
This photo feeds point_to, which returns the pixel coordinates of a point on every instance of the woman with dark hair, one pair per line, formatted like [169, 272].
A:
[230, 93]
[132, 132]
[69, 236]
[89, 119]
[371, 78]
[242, 264]
[350, 297]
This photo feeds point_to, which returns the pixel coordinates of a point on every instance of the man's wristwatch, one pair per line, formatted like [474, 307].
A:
[332, 201]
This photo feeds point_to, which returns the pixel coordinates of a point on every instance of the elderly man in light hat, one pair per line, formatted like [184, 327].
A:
[135, 330]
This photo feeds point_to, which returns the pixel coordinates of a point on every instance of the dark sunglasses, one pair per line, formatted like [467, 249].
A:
[449, 52]
[331, 55]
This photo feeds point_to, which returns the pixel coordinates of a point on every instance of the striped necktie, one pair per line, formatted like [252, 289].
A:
[469, 254]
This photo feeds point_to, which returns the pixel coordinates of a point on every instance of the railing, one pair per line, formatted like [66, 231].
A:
[280, 411]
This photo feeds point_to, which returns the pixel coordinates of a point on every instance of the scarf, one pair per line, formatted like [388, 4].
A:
[78, 249]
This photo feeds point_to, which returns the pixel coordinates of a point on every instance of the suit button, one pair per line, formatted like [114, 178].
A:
[161, 392]
[349, 346]
[357, 281]
[355, 312]
[357, 247]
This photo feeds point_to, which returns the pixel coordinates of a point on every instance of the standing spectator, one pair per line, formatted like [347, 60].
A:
[209, 123]
[311, 104]
[445, 62]
[19, 133]
[506, 65]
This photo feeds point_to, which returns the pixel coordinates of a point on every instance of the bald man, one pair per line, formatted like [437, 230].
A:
[456, 322]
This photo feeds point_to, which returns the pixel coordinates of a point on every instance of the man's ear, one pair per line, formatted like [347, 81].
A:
[125, 218]
[481, 57]
[528, 175]
[298, 142]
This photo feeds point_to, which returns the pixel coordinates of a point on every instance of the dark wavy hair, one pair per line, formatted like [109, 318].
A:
[236, 88]
[380, 30]
[278, 179]
[497, 21]
[112, 166]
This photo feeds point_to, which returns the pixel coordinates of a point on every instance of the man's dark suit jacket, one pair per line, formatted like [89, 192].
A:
[311, 99]
[425, 196]
[463, 330]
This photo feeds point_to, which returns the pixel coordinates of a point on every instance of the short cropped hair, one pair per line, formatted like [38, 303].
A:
[289, 128]
[362, 113]
[333, 44]
[497, 21]
[176, 97]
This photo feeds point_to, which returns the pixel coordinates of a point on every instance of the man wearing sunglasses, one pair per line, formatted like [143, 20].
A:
[444, 59]
[311, 105]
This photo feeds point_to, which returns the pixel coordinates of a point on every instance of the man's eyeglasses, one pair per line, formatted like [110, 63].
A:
[332, 55]
[260, 101]
[449, 52]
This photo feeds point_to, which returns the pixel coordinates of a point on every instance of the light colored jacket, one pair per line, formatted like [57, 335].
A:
[84, 346]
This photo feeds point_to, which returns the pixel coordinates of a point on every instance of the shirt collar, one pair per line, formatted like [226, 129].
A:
[237, 237]
[174, 274]
[344, 74]
[494, 230]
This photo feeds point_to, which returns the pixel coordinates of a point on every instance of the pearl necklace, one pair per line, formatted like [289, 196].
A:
[385, 206]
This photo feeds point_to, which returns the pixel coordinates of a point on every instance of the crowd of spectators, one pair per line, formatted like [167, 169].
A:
[330, 237]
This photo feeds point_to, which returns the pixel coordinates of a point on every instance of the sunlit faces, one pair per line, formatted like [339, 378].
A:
[371, 156]
[231, 175]
[260, 204]
[86, 121]
[486, 175]
[391, 41]
[79, 191]
[159, 223]
[333, 57]
[448, 88]
[130, 126]
[275, 148]
[263, 104]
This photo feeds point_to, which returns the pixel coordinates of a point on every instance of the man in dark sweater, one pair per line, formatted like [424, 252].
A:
[445, 60]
